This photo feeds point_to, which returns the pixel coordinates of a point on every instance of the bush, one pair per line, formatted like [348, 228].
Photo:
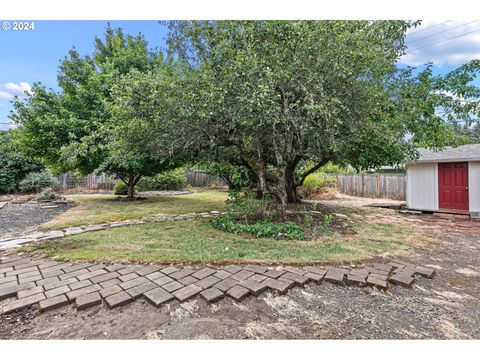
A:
[316, 184]
[120, 188]
[46, 194]
[281, 231]
[37, 181]
[169, 180]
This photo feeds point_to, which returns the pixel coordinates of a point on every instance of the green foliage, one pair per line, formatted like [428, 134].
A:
[120, 188]
[325, 225]
[37, 181]
[237, 177]
[169, 180]
[245, 205]
[315, 184]
[14, 165]
[281, 231]
[46, 195]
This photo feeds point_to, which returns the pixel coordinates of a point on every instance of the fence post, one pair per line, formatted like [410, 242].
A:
[363, 184]
[378, 185]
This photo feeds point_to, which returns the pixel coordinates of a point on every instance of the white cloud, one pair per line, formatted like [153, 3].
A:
[443, 42]
[9, 90]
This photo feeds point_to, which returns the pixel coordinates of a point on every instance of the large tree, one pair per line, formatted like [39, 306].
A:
[285, 94]
[77, 128]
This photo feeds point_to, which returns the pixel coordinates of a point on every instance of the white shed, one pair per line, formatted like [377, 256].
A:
[446, 181]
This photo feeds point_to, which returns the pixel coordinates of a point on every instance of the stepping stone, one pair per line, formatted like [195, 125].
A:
[203, 273]
[256, 269]
[232, 269]
[21, 303]
[118, 299]
[187, 292]
[88, 300]
[377, 282]
[158, 296]
[299, 279]
[353, 279]
[425, 271]
[212, 294]
[172, 286]
[226, 284]
[274, 273]
[53, 303]
[277, 285]
[402, 279]
[254, 287]
[208, 282]
[336, 277]
[238, 292]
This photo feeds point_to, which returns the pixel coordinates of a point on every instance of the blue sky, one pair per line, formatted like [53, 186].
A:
[34, 56]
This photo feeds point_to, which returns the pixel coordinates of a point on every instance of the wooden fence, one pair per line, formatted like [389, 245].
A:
[390, 186]
[68, 182]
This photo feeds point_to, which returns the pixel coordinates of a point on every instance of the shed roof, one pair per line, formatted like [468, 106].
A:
[469, 152]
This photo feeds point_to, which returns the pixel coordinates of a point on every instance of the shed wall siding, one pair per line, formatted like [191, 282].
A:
[422, 186]
[474, 185]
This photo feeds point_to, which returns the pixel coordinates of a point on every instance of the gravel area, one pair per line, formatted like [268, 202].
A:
[19, 219]
[445, 307]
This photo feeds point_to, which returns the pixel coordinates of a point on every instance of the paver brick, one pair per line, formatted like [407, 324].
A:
[118, 299]
[148, 270]
[223, 274]
[299, 279]
[172, 286]
[82, 266]
[187, 280]
[274, 273]
[8, 279]
[396, 265]
[12, 290]
[314, 277]
[21, 303]
[315, 270]
[295, 270]
[256, 269]
[405, 272]
[158, 296]
[106, 292]
[115, 267]
[30, 279]
[8, 284]
[254, 287]
[424, 271]
[337, 269]
[187, 292]
[378, 276]
[354, 279]
[208, 282]
[401, 279]
[226, 284]
[155, 275]
[73, 274]
[72, 295]
[359, 272]
[53, 303]
[26, 274]
[139, 290]
[88, 300]
[132, 283]
[336, 277]
[109, 283]
[384, 267]
[91, 274]
[169, 270]
[377, 271]
[96, 267]
[104, 277]
[30, 292]
[26, 265]
[22, 271]
[163, 280]
[51, 274]
[53, 285]
[47, 264]
[47, 281]
[181, 274]
[128, 277]
[129, 269]
[57, 291]
[377, 282]
[212, 294]
[232, 269]
[79, 284]
[257, 277]
[203, 273]
[242, 275]
[7, 269]
[238, 292]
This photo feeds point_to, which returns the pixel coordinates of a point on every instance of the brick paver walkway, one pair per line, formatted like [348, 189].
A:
[50, 284]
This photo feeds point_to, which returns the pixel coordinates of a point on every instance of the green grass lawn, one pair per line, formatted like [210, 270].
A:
[94, 209]
[196, 241]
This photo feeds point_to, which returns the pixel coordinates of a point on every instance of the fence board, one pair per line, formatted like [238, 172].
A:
[391, 186]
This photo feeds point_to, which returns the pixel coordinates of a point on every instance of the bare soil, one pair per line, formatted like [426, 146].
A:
[445, 307]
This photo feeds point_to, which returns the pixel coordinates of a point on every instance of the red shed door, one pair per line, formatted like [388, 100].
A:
[453, 185]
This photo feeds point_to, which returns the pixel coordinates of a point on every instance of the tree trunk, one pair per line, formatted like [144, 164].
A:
[130, 185]
[291, 186]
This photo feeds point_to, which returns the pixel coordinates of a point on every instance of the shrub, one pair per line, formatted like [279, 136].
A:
[281, 231]
[316, 184]
[37, 181]
[120, 188]
[46, 194]
[169, 180]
